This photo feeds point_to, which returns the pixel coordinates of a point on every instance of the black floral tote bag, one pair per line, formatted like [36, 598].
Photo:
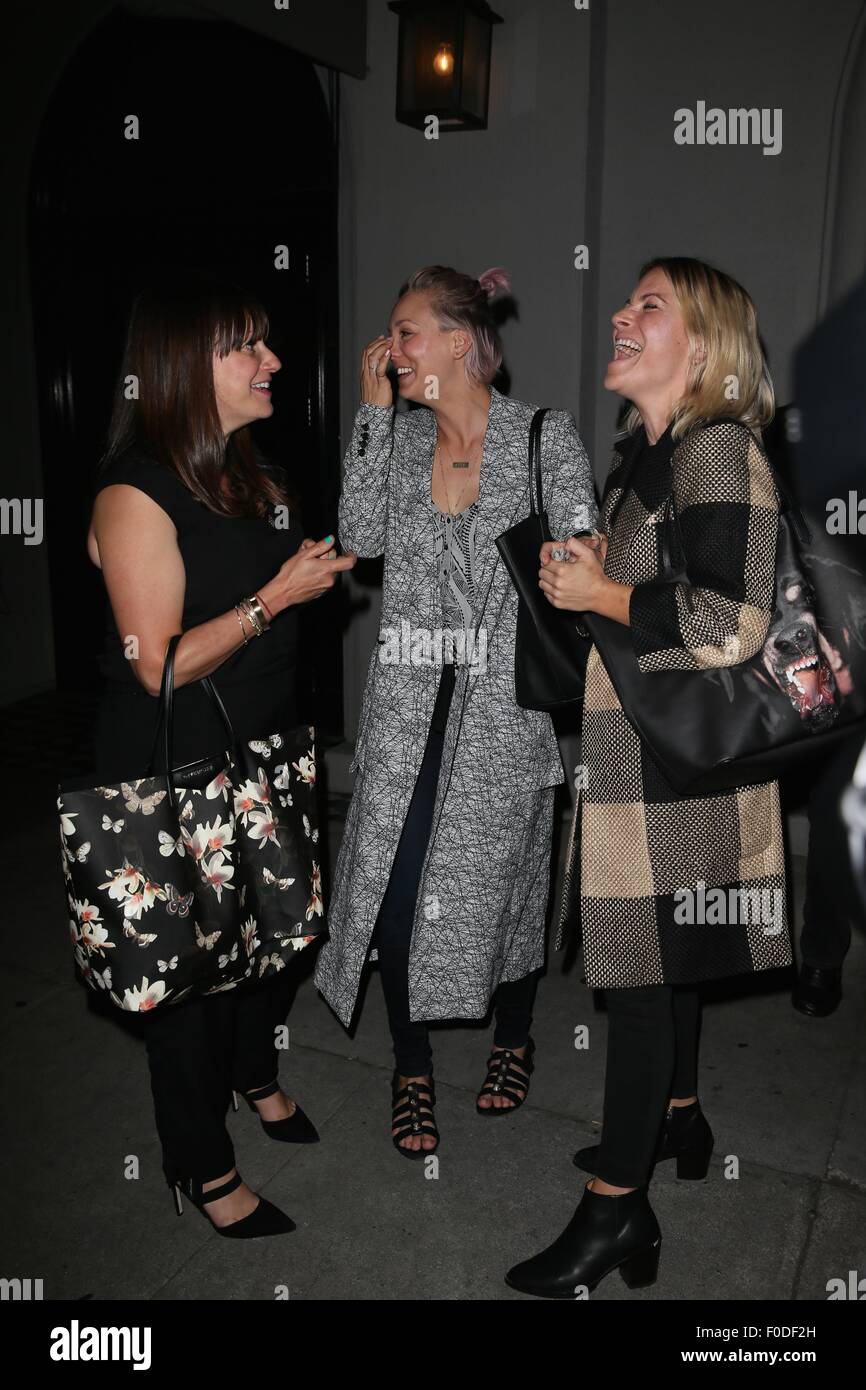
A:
[196, 880]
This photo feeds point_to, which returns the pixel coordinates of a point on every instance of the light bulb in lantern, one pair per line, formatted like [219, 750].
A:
[443, 63]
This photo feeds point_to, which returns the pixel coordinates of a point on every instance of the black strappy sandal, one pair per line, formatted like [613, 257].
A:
[264, 1219]
[296, 1128]
[413, 1113]
[502, 1078]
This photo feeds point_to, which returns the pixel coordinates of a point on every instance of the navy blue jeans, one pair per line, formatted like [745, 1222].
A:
[513, 1001]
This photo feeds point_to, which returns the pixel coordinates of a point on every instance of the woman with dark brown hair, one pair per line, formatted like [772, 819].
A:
[193, 533]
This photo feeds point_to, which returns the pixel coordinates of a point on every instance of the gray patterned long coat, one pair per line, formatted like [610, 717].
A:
[484, 885]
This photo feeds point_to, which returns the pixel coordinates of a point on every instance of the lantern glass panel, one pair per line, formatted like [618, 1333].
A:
[422, 88]
[476, 66]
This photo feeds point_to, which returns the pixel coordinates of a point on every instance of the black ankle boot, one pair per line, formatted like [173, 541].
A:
[818, 991]
[685, 1136]
[605, 1233]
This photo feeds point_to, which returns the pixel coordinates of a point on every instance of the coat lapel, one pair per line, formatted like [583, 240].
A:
[632, 511]
[504, 485]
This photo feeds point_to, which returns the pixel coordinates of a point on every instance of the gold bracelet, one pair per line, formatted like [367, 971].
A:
[241, 621]
[251, 617]
[253, 605]
[261, 611]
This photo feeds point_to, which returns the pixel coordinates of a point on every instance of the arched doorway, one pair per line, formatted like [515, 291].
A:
[234, 157]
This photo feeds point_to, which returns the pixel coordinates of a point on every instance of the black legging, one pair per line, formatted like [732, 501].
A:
[391, 936]
[652, 1055]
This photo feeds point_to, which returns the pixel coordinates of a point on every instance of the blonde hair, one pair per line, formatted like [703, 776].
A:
[732, 379]
[459, 301]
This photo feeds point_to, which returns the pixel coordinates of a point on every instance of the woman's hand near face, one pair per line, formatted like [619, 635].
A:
[375, 386]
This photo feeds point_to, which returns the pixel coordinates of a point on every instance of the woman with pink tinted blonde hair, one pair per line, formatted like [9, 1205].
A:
[443, 869]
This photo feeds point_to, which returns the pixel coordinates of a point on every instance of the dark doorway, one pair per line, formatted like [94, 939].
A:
[234, 158]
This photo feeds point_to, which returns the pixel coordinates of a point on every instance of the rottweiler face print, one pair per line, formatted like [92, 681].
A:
[799, 660]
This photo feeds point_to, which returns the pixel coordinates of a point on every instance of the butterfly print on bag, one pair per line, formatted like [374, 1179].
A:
[145, 804]
[179, 903]
[141, 938]
[168, 845]
[206, 943]
[79, 855]
[265, 747]
[282, 883]
[227, 959]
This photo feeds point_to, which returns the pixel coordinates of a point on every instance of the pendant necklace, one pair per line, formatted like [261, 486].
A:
[455, 463]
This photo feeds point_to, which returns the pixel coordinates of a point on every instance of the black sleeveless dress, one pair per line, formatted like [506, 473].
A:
[226, 559]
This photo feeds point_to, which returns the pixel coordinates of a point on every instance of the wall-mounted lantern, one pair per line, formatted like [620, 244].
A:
[443, 64]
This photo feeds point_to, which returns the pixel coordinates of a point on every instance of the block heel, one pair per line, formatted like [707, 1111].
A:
[641, 1269]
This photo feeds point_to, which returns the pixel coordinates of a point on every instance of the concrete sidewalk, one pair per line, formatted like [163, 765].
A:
[784, 1094]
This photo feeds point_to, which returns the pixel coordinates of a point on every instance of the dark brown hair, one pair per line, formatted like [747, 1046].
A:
[174, 330]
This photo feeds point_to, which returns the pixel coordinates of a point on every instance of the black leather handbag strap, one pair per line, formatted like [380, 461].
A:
[165, 712]
[535, 460]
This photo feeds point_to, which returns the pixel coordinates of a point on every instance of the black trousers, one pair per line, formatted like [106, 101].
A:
[513, 1001]
[200, 1051]
[652, 1055]
[831, 900]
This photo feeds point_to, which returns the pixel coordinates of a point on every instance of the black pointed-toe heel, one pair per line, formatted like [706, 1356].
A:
[263, 1220]
[605, 1233]
[685, 1136]
[507, 1075]
[296, 1128]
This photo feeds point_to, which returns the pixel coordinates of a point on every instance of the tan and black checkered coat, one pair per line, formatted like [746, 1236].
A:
[639, 841]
